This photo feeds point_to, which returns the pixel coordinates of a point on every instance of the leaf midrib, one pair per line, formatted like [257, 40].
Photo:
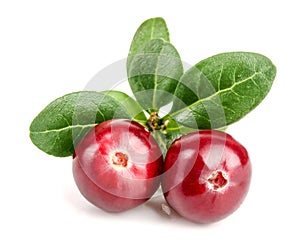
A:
[155, 76]
[215, 94]
[64, 128]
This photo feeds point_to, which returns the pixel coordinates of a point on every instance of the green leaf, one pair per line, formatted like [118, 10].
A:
[150, 29]
[222, 89]
[62, 123]
[154, 74]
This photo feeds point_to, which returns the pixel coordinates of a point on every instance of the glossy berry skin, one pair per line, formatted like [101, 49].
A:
[117, 165]
[206, 176]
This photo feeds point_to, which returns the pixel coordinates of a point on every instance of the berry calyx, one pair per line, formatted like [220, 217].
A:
[120, 159]
[217, 180]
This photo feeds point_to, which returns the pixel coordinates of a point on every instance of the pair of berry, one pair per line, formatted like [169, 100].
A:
[205, 176]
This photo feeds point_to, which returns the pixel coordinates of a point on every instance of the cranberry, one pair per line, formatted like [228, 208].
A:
[117, 165]
[206, 176]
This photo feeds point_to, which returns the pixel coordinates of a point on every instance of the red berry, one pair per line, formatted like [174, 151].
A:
[206, 175]
[117, 165]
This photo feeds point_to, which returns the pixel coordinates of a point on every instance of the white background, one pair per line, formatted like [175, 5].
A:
[50, 48]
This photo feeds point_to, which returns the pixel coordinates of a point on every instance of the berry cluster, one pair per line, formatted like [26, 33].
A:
[205, 176]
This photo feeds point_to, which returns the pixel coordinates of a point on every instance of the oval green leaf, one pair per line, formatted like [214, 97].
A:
[154, 74]
[222, 89]
[150, 29]
[62, 123]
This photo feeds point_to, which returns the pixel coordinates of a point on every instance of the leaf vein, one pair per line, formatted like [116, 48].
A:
[219, 79]
[155, 77]
[64, 128]
[222, 106]
[216, 93]
[100, 112]
[200, 115]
